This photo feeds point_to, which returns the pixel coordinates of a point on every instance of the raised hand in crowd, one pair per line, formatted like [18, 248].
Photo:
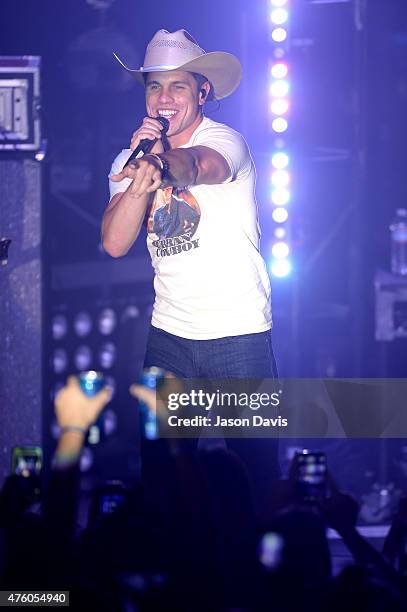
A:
[75, 413]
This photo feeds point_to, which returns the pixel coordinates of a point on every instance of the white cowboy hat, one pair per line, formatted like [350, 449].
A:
[179, 51]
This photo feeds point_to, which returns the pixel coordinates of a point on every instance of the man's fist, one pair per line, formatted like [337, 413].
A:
[145, 173]
[150, 129]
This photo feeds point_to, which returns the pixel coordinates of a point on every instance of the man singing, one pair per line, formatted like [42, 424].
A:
[212, 313]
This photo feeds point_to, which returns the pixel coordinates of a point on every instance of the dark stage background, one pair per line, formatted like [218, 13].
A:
[347, 137]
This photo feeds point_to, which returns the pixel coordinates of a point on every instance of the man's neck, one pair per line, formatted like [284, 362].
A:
[179, 140]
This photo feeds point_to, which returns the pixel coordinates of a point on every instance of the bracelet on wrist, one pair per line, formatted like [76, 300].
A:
[164, 167]
[76, 428]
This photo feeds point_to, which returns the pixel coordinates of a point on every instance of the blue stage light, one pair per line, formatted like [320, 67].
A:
[281, 268]
[280, 250]
[279, 34]
[279, 70]
[279, 89]
[280, 215]
[280, 160]
[279, 107]
[280, 197]
[279, 16]
[280, 179]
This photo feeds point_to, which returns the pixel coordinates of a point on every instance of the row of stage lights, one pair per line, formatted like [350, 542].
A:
[63, 360]
[83, 342]
[280, 264]
[88, 340]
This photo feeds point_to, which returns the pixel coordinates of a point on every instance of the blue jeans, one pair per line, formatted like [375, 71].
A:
[246, 356]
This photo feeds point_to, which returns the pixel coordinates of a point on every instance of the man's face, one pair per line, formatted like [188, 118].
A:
[174, 95]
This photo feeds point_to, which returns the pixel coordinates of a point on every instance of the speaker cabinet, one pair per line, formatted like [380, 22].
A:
[20, 308]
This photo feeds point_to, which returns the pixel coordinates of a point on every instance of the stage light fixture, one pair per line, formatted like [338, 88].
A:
[281, 268]
[107, 321]
[280, 196]
[280, 160]
[279, 35]
[59, 327]
[109, 422]
[82, 358]
[54, 428]
[279, 71]
[279, 16]
[59, 360]
[279, 107]
[111, 383]
[279, 53]
[130, 312]
[82, 324]
[280, 250]
[280, 179]
[86, 460]
[107, 355]
[279, 125]
[280, 233]
[280, 215]
[279, 89]
[280, 103]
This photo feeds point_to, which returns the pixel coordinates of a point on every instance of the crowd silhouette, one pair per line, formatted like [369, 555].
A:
[187, 536]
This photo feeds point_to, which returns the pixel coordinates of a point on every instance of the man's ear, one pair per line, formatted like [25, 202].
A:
[203, 92]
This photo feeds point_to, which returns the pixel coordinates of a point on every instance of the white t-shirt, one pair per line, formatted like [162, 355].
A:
[210, 279]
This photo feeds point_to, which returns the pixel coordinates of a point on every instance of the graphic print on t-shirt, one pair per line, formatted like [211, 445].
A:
[173, 220]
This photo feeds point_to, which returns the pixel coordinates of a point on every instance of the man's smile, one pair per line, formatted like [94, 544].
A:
[167, 113]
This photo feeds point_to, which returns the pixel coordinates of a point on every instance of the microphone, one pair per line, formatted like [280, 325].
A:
[146, 144]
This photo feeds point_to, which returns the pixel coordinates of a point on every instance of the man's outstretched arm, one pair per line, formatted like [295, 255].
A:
[199, 165]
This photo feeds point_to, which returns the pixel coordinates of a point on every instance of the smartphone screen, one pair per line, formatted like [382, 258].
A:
[110, 503]
[26, 461]
[311, 475]
[270, 550]
[109, 497]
